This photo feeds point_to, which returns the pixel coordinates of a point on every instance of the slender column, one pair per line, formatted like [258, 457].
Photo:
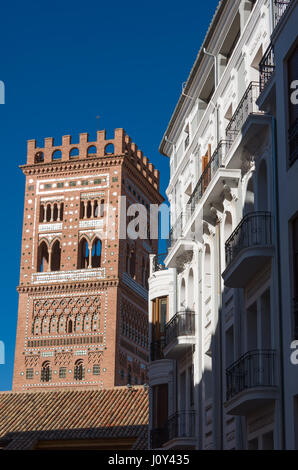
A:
[45, 214]
[85, 209]
[59, 212]
[52, 212]
[92, 208]
[50, 258]
[90, 257]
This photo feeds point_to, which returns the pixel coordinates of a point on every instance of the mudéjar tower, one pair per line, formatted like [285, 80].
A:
[83, 317]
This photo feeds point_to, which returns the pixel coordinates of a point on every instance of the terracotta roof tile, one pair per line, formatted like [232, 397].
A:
[28, 417]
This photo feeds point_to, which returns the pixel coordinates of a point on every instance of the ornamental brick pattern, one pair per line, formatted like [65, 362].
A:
[82, 319]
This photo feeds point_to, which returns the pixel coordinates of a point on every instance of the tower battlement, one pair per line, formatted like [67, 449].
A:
[121, 144]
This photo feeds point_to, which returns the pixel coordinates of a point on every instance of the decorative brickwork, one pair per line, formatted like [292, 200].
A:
[82, 318]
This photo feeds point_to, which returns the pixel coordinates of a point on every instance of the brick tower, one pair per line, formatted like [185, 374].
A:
[82, 319]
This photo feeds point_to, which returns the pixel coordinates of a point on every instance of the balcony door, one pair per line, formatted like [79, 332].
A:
[159, 318]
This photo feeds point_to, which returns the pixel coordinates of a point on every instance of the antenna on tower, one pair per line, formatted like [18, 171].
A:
[98, 117]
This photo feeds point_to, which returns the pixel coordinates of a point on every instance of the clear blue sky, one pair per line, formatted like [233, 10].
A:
[63, 63]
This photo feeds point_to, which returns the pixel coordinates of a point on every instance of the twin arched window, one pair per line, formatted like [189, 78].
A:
[89, 256]
[49, 259]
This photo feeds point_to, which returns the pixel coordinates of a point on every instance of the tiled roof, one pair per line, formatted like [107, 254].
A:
[28, 417]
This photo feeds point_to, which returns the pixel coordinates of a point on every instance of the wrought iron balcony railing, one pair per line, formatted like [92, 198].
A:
[293, 142]
[266, 67]
[159, 262]
[181, 425]
[279, 9]
[246, 107]
[255, 229]
[177, 229]
[156, 350]
[216, 161]
[253, 369]
[182, 324]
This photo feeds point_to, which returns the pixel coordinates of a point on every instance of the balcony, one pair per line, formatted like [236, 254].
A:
[179, 334]
[156, 350]
[279, 9]
[179, 432]
[266, 67]
[246, 107]
[293, 143]
[216, 162]
[251, 382]
[159, 262]
[248, 249]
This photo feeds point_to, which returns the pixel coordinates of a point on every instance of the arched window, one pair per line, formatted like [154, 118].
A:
[262, 187]
[39, 157]
[190, 293]
[91, 150]
[74, 152]
[42, 257]
[95, 208]
[57, 155]
[41, 213]
[55, 212]
[96, 253]
[49, 212]
[56, 256]
[79, 370]
[109, 149]
[249, 198]
[83, 254]
[46, 372]
[182, 294]
[89, 210]
[82, 210]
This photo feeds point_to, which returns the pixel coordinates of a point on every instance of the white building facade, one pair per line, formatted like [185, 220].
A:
[222, 308]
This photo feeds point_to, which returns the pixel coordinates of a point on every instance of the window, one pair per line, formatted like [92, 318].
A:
[72, 183]
[46, 372]
[29, 373]
[96, 369]
[79, 370]
[98, 181]
[60, 185]
[62, 373]
[83, 254]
